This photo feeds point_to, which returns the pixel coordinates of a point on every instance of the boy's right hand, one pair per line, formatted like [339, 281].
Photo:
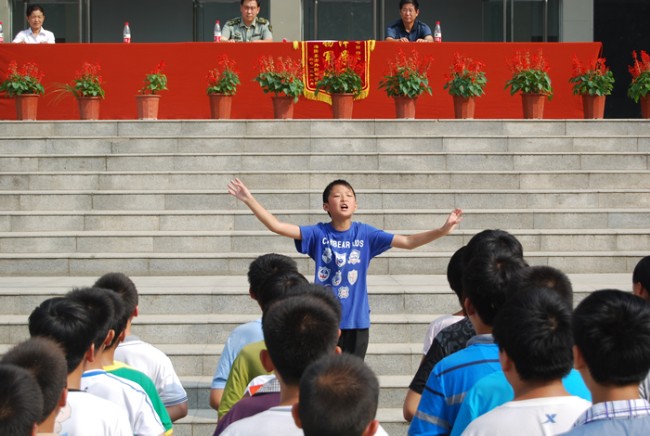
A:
[237, 189]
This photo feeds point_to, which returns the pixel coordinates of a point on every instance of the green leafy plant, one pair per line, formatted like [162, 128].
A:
[466, 77]
[342, 75]
[87, 82]
[24, 80]
[529, 74]
[280, 76]
[224, 78]
[407, 76]
[594, 79]
[155, 81]
[640, 71]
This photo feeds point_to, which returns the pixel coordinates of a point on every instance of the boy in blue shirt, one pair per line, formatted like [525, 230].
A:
[342, 250]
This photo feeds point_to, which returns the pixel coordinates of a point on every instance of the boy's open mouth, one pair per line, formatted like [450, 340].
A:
[344, 206]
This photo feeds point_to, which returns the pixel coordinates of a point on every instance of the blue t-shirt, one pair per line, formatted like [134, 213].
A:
[241, 336]
[342, 260]
[396, 31]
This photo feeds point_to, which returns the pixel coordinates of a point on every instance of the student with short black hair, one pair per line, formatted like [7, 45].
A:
[611, 331]
[45, 360]
[641, 279]
[533, 332]
[21, 401]
[338, 396]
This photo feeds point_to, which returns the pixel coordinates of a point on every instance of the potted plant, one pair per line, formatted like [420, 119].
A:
[149, 98]
[466, 81]
[24, 84]
[593, 82]
[406, 81]
[341, 79]
[530, 78]
[281, 77]
[640, 86]
[222, 85]
[87, 89]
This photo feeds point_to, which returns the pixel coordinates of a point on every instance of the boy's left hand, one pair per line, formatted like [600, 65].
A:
[454, 218]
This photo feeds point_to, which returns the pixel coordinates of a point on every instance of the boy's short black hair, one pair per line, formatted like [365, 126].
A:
[68, 323]
[338, 396]
[123, 285]
[498, 243]
[641, 273]
[45, 360]
[534, 330]
[279, 286]
[101, 306]
[297, 331]
[325, 295]
[611, 328]
[455, 273]
[265, 266]
[543, 276]
[486, 283]
[331, 185]
[120, 315]
[21, 401]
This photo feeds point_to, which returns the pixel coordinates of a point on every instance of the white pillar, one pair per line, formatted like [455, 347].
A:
[577, 21]
[286, 19]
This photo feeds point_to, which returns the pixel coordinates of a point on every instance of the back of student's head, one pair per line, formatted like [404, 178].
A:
[486, 283]
[641, 273]
[332, 184]
[100, 303]
[497, 243]
[338, 396]
[123, 285]
[455, 273]
[45, 360]
[325, 295]
[278, 286]
[265, 266]
[297, 331]
[542, 276]
[534, 329]
[68, 323]
[611, 328]
[21, 401]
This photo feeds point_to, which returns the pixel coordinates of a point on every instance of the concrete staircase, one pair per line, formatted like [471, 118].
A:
[148, 198]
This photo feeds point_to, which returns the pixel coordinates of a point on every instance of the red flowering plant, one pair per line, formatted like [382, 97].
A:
[592, 79]
[342, 75]
[466, 77]
[407, 76]
[24, 80]
[155, 81]
[224, 78]
[87, 82]
[640, 71]
[280, 76]
[529, 74]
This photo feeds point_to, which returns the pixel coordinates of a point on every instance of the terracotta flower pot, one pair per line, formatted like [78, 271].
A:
[645, 106]
[89, 108]
[342, 105]
[405, 107]
[464, 107]
[147, 106]
[26, 106]
[593, 106]
[533, 105]
[220, 106]
[282, 107]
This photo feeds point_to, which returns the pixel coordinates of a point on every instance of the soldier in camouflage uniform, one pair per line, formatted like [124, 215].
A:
[248, 27]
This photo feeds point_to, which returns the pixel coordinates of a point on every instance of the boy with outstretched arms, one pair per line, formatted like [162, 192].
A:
[342, 250]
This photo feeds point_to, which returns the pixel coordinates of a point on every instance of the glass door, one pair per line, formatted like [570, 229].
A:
[521, 20]
[206, 12]
[340, 19]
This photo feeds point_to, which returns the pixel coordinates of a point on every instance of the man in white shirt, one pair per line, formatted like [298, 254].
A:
[35, 34]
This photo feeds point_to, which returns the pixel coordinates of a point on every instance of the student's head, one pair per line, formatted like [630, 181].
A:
[120, 318]
[497, 243]
[297, 331]
[542, 276]
[279, 286]
[641, 278]
[21, 401]
[45, 360]
[265, 266]
[339, 193]
[338, 396]
[533, 328]
[486, 284]
[123, 285]
[455, 273]
[323, 294]
[100, 303]
[68, 323]
[611, 330]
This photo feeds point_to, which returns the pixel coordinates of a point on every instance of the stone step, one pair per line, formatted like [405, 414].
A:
[286, 201]
[596, 179]
[413, 161]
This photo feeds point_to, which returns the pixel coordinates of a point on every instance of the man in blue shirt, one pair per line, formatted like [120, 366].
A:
[408, 28]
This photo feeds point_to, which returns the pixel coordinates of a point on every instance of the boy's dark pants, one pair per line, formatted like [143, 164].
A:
[354, 341]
